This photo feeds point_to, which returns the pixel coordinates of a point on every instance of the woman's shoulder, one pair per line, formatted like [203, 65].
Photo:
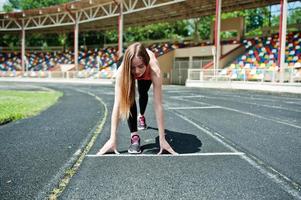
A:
[150, 53]
[154, 64]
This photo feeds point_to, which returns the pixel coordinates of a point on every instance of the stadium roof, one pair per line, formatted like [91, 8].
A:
[103, 14]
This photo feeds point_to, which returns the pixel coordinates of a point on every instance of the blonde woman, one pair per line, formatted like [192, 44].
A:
[138, 64]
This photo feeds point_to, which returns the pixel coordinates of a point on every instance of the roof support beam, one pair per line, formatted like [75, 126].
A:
[76, 31]
[23, 56]
[282, 37]
[120, 29]
[90, 14]
[217, 27]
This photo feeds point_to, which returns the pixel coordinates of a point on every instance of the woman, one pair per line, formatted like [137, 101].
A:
[138, 64]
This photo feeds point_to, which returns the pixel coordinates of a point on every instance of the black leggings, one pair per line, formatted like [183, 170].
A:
[143, 87]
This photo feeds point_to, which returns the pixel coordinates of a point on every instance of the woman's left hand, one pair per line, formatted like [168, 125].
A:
[110, 146]
[165, 146]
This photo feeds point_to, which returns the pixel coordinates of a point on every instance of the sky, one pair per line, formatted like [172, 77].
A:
[292, 5]
[1, 4]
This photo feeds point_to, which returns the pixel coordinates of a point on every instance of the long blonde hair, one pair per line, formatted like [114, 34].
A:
[127, 79]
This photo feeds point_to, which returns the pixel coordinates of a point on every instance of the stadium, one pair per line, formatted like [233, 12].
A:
[236, 58]
[231, 73]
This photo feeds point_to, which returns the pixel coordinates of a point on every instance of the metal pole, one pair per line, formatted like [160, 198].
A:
[23, 48]
[190, 62]
[217, 34]
[120, 29]
[76, 30]
[282, 38]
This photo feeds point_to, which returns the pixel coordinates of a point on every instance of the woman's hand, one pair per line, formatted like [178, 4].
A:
[165, 146]
[110, 146]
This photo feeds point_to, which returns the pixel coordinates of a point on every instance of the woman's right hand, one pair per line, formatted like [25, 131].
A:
[110, 146]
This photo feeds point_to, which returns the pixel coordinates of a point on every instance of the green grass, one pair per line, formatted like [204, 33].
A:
[16, 105]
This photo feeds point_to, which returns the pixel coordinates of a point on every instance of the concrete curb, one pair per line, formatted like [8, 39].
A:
[259, 86]
[78, 158]
[294, 88]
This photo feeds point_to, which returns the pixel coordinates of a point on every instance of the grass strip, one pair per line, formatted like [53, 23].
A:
[15, 105]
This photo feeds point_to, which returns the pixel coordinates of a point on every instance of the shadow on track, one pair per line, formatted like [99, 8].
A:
[180, 142]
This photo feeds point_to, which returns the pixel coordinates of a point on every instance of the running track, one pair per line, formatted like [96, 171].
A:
[233, 145]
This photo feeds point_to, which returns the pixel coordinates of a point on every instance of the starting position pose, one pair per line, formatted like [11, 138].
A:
[138, 64]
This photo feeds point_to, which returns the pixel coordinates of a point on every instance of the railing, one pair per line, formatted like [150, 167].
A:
[180, 69]
[196, 64]
[263, 75]
[58, 74]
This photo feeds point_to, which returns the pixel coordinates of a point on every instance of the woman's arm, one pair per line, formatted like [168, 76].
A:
[157, 89]
[111, 144]
[115, 113]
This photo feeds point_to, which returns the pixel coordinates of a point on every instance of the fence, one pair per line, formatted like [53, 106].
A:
[263, 75]
[57, 74]
[179, 72]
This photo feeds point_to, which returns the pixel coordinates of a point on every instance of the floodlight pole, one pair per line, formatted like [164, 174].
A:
[282, 38]
[23, 48]
[217, 28]
[120, 29]
[76, 30]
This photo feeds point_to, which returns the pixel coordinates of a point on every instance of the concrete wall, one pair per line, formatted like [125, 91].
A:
[227, 48]
[231, 56]
[193, 51]
[166, 62]
[202, 51]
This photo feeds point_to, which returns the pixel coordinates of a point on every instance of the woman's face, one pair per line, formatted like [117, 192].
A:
[138, 67]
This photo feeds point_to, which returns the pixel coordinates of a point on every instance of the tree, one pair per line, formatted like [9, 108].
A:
[30, 4]
[294, 17]
[205, 27]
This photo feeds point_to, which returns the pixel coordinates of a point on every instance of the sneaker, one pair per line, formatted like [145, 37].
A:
[141, 123]
[135, 145]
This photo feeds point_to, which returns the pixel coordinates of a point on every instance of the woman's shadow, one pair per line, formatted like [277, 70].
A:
[181, 142]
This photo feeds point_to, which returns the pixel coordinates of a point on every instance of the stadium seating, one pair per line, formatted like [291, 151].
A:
[10, 61]
[160, 49]
[262, 54]
[97, 63]
[89, 58]
[42, 61]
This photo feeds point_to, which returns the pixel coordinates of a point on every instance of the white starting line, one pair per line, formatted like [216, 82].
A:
[187, 108]
[170, 155]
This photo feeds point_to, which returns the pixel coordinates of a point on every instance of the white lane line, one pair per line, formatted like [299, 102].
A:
[261, 117]
[233, 100]
[187, 108]
[177, 91]
[286, 183]
[255, 97]
[247, 113]
[274, 107]
[252, 97]
[169, 155]
[292, 102]
[191, 96]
